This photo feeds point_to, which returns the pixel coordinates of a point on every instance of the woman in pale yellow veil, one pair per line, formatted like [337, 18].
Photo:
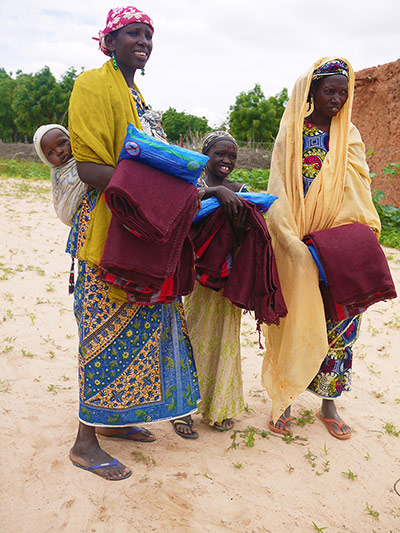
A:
[321, 178]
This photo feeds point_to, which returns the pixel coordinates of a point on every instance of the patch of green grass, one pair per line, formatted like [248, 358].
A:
[141, 458]
[14, 168]
[391, 429]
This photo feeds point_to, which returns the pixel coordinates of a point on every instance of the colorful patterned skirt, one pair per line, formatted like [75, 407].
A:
[135, 361]
[214, 329]
[335, 373]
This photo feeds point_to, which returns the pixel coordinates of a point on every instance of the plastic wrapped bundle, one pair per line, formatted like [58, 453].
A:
[262, 200]
[180, 162]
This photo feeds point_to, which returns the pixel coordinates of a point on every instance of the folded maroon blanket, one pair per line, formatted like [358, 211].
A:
[180, 284]
[253, 283]
[141, 266]
[214, 242]
[355, 267]
[146, 201]
[248, 276]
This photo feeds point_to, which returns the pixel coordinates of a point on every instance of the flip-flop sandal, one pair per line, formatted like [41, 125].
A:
[328, 421]
[220, 427]
[93, 469]
[185, 421]
[135, 429]
[280, 431]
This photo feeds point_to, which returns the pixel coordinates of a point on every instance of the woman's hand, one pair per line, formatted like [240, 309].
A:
[230, 203]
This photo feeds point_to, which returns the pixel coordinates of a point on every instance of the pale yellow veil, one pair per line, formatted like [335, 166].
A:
[340, 194]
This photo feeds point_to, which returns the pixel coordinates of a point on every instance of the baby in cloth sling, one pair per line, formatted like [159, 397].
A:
[53, 146]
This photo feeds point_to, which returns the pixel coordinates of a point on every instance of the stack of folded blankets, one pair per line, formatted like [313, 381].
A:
[354, 272]
[148, 253]
[248, 274]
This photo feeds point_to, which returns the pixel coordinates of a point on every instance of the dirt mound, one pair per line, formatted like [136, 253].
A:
[376, 112]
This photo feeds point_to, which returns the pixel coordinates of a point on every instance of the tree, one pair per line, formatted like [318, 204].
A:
[253, 118]
[177, 125]
[7, 128]
[37, 100]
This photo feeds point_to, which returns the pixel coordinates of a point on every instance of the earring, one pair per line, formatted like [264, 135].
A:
[114, 61]
[142, 72]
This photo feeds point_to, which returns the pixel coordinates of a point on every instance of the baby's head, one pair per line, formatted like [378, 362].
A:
[52, 144]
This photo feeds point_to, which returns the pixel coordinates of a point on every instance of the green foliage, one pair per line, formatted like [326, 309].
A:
[31, 100]
[256, 179]
[23, 169]
[179, 124]
[389, 215]
[255, 118]
[7, 85]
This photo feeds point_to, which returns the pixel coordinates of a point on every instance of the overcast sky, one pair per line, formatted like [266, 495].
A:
[206, 51]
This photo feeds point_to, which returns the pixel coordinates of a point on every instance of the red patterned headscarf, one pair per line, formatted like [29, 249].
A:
[117, 18]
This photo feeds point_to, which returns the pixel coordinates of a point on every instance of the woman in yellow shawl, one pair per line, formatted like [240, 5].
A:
[135, 361]
[321, 178]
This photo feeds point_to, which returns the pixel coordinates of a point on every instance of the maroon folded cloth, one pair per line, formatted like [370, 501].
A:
[248, 276]
[180, 284]
[148, 202]
[356, 269]
[253, 283]
[143, 265]
[214, 243]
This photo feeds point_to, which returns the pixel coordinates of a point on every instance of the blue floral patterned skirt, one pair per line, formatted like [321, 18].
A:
[335, 373]
[135, 361]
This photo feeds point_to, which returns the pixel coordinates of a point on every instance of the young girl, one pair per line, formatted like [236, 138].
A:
[213, 321]
[53, 146]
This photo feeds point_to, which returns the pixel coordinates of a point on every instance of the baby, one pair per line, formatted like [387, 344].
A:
[53, 146]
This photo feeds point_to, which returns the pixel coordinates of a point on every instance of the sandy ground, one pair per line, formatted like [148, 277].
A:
[314, 483]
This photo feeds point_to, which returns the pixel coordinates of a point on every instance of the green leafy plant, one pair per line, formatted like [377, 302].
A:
[248, 435]
[350, 474]
[256, 179]
[391, 429]
[306, 417]
[371, 511]
[389, 215]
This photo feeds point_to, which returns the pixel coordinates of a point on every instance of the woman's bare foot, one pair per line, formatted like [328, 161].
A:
[86, 453]
[283, 424]
[134, 433]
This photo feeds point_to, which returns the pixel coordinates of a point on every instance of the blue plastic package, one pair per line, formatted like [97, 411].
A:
[180, 162]
[262, 200]
[321, 271]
